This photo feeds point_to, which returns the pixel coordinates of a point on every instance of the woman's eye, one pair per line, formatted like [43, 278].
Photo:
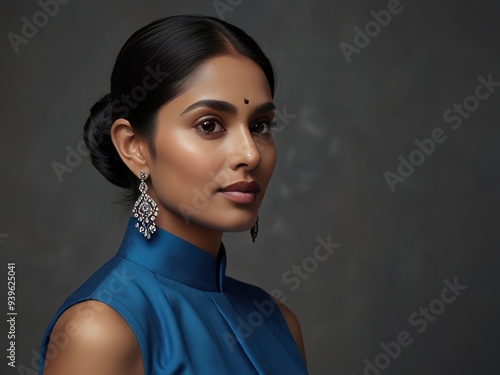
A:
[209, 127]
[263, 126]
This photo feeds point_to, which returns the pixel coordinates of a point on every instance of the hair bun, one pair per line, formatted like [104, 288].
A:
[97, 137]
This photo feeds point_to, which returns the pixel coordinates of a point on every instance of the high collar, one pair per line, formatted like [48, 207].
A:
[175, 258]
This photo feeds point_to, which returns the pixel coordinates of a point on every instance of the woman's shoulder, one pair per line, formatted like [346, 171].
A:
[92, 338]
[118, 283]
[99, 317]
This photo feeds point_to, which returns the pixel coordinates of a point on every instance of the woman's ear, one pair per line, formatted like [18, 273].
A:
[132, 150]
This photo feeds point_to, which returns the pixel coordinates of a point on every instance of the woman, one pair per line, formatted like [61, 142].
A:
[186, 129]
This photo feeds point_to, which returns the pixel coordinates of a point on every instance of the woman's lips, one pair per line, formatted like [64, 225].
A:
[240, 196]
[241, 191]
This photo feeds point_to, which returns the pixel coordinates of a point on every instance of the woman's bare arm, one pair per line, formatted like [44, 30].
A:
[92, 338]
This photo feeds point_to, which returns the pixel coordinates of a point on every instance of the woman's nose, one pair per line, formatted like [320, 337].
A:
[245, 153]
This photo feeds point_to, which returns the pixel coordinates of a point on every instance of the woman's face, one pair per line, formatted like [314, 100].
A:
[215, 134]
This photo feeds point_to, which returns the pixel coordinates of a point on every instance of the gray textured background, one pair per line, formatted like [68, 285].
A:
[352, 122]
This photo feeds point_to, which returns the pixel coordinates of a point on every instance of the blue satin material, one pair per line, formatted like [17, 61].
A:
[187, 315]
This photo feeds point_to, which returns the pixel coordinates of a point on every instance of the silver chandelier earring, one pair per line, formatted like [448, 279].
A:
[145, 210]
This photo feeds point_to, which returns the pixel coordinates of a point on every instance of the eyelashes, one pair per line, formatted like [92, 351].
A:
[208, 127]
[211, 127]
[268, 125]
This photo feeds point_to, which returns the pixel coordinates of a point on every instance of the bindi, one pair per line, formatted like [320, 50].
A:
[246, 100]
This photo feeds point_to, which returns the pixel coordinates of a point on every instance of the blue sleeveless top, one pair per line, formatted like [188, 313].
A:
[189, 317]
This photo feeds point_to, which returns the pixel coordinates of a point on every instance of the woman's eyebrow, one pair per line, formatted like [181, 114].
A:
[220, 105]
[264, 107]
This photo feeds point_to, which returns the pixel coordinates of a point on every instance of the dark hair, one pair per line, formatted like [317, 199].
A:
[152, 68]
